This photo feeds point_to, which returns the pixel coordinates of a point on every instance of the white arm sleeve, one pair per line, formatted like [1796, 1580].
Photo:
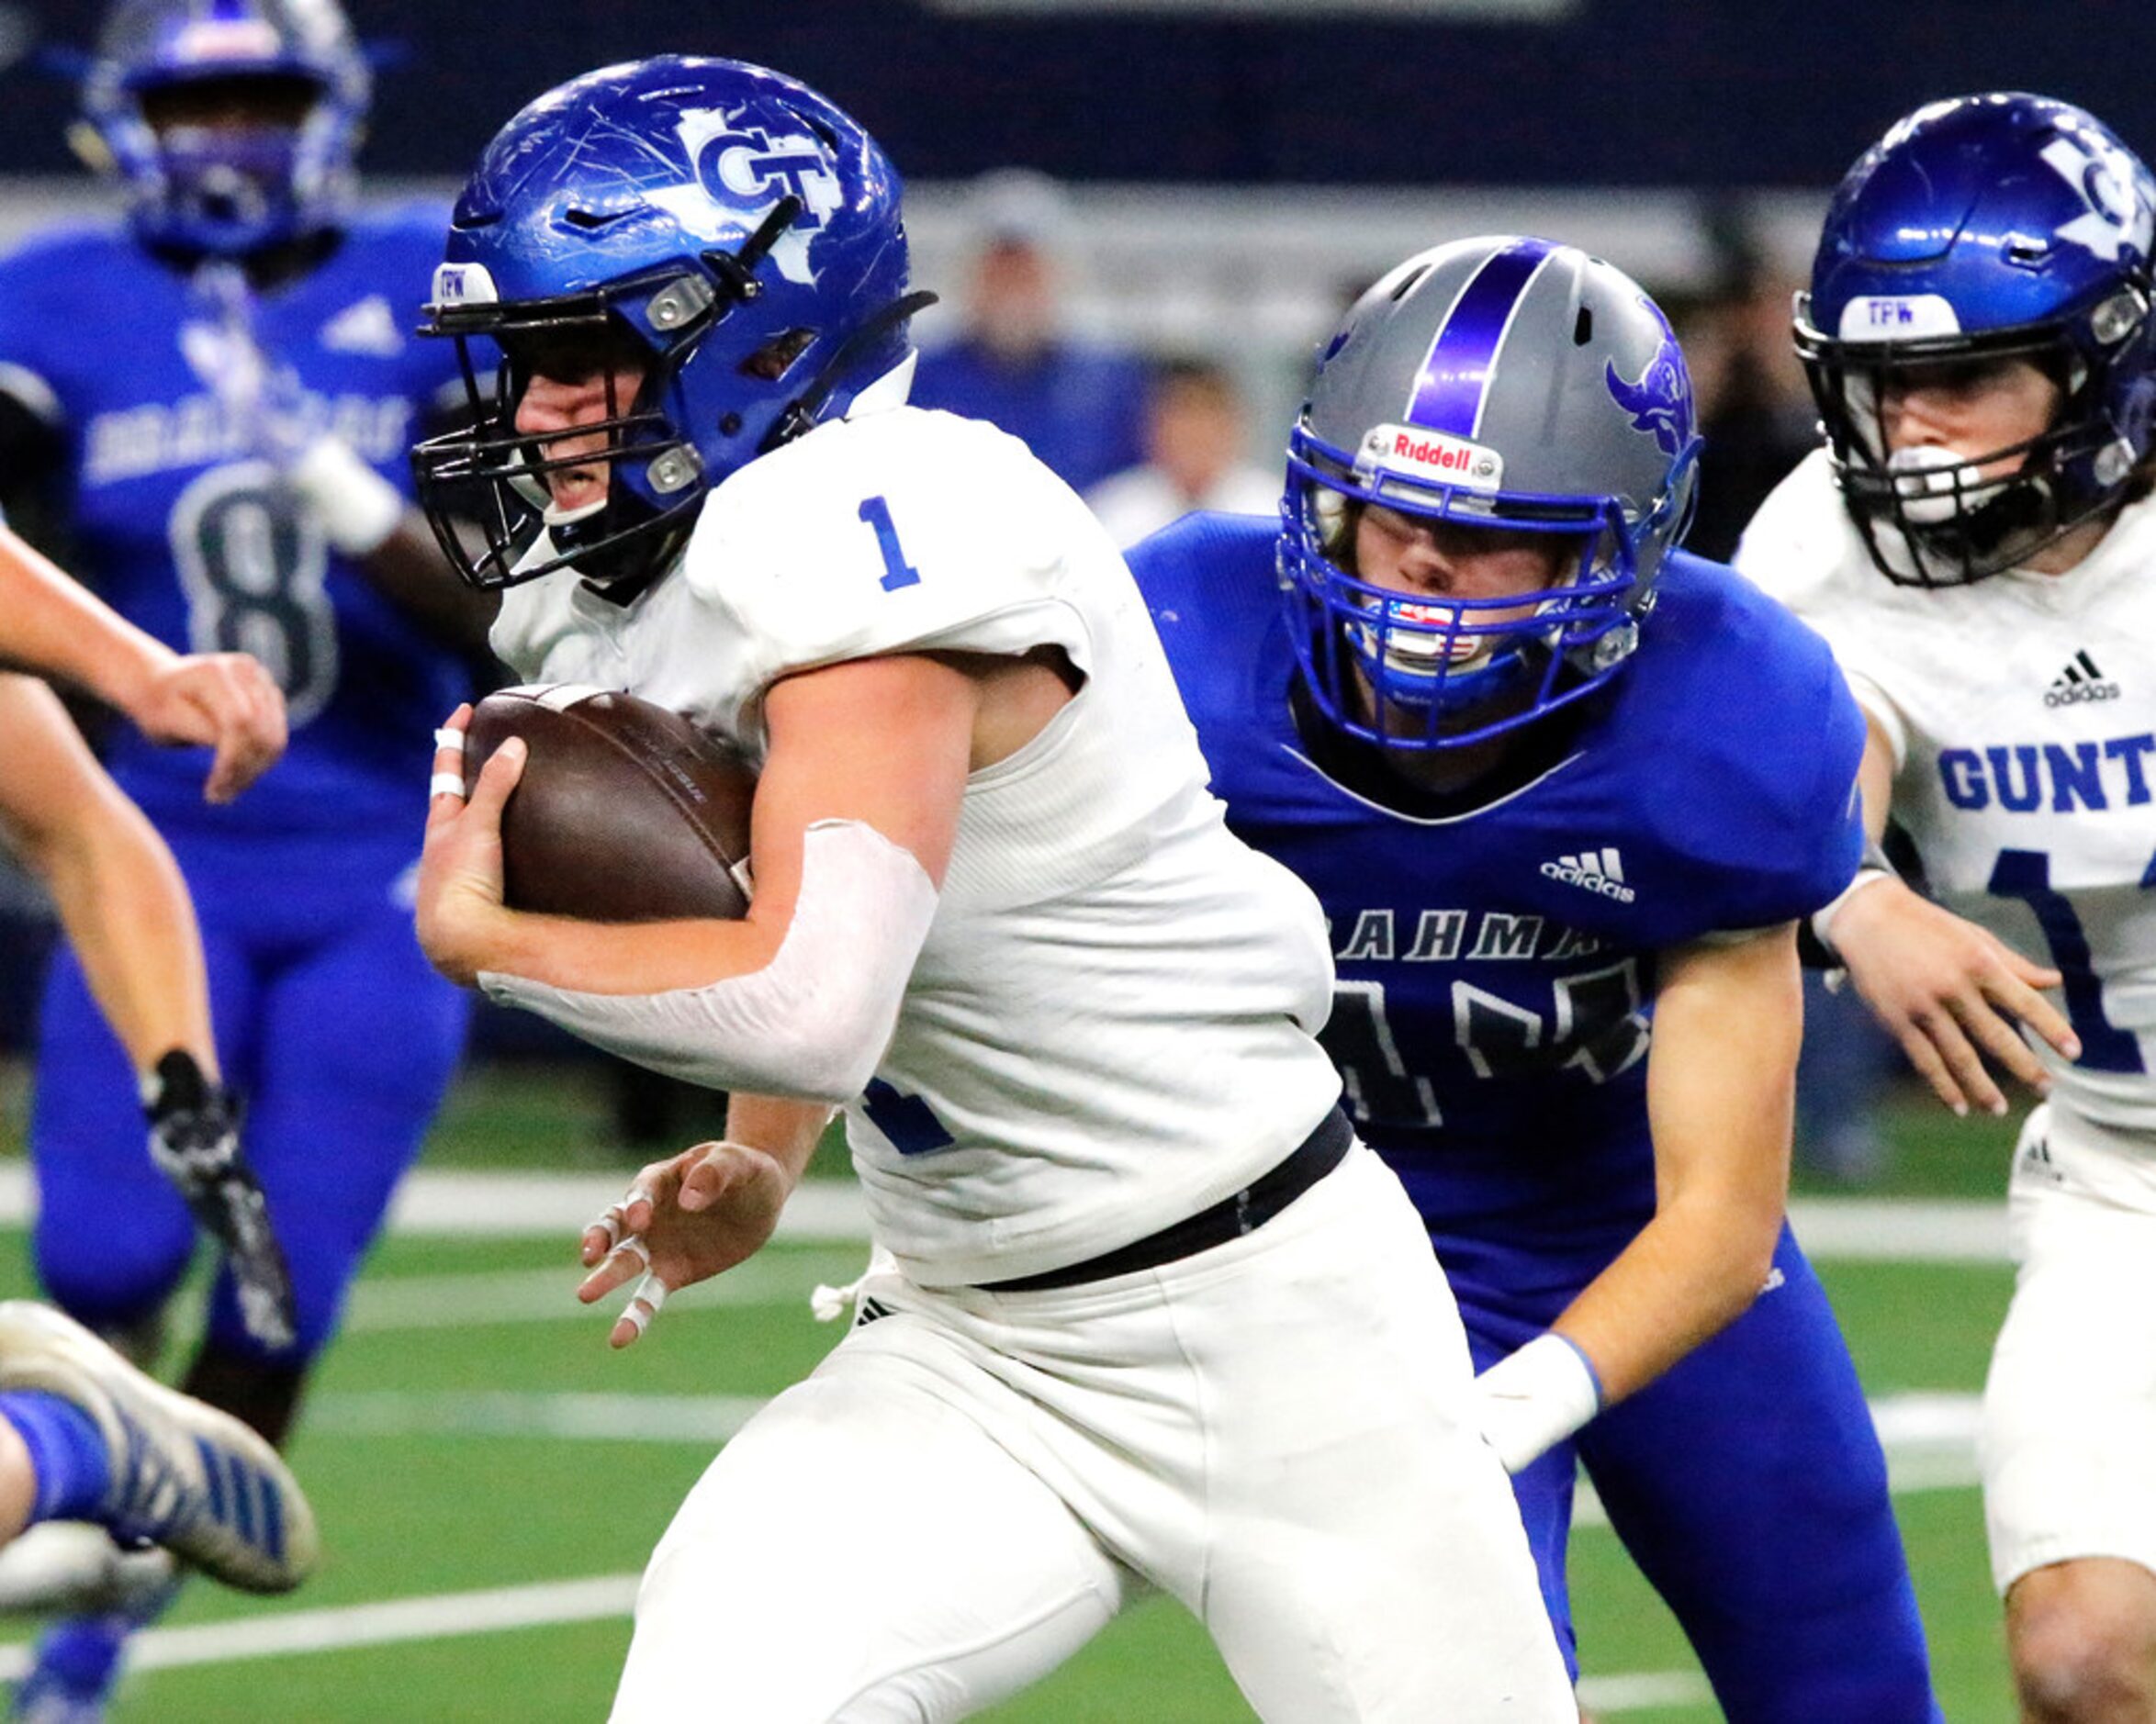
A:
[814, 1020]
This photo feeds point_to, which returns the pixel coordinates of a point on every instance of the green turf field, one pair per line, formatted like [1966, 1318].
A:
[491, 1478]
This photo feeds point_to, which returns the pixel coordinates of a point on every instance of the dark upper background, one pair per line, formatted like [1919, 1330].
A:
[1697, 92]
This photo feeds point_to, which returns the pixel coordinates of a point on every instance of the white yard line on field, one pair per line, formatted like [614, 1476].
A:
[281, 1633]
[454, 1204]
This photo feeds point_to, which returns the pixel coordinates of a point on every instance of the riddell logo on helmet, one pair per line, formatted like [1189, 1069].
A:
[1414, 452]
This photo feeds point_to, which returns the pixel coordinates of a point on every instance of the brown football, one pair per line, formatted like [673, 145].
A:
[626, 811]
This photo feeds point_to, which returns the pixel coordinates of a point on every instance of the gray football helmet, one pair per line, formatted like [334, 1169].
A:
[1504, 382]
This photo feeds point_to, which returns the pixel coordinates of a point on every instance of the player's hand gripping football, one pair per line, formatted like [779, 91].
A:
[459, 904]
[683, 1221]
[222, 701]
[1950, 993]
[194, 1141]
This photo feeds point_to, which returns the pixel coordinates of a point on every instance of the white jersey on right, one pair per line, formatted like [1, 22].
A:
[2022, 713]
[1111, 1025]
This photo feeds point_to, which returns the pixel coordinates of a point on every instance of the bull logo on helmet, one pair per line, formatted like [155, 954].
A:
[1660, 399]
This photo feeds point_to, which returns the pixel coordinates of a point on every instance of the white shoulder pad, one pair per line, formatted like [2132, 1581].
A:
[1793, 544]
[1803, 549]
[905, 530]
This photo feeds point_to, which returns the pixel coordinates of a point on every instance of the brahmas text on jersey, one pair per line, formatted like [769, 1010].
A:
[192, 536]
[1497, 962]
[2022, 713]
[1110, 1025]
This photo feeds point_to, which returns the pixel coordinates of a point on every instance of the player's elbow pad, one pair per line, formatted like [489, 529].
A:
[813, 1022]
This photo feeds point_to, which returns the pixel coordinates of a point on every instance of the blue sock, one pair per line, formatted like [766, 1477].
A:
[81, 1656]
[67, 1454]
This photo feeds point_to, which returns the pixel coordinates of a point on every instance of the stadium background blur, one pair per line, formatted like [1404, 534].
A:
[1221, 176]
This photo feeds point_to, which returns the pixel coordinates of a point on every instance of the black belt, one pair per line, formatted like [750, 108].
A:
[1244, 1212]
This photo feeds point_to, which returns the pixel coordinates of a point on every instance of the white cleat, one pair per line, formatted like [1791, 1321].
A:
[72, 1567]
[183, 1476]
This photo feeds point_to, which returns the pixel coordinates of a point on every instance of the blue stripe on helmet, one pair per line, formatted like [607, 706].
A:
[1455, 373]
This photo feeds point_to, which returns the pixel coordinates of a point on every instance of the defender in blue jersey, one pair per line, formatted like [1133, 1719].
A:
[1563, 792]
[223, 392]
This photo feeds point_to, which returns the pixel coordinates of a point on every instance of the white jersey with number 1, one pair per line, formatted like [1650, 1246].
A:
[2022, 711]
[1110, 1026]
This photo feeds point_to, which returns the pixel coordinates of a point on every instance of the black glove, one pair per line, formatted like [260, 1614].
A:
[195, 1141]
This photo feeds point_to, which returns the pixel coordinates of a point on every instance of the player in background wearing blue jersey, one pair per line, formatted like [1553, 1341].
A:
[1563, 792]
[232, 449]
[84, 1437]
[1976, 540]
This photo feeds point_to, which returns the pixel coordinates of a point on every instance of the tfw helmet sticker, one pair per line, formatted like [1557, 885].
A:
[742, 171]
[1408, 452]
[1897, 317]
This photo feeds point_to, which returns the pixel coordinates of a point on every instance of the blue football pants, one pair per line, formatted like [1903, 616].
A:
[343, 1041]
[1748, 1484]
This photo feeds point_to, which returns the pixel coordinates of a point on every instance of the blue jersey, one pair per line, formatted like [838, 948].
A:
[184, 530]
[1496, 956]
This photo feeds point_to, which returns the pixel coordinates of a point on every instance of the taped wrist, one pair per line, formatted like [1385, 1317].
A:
[1869, 872]
[813, 1022]
[358, 508]
[1532, 1400]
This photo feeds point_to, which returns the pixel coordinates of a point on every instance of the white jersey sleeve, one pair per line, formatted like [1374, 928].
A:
[1111, 1023]
[2023, 712]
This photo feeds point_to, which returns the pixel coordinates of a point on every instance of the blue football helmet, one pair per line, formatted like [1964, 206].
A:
[1981, 230]
[727, 227]
[1503, 383]
[226, 191]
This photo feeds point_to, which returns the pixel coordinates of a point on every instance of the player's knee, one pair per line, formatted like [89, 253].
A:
[2078, 1663]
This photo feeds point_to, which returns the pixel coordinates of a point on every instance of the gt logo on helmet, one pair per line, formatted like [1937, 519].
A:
[741, 171]
[745, 163]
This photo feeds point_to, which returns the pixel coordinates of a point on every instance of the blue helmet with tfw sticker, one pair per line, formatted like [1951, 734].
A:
[1505, 384]
[226, 188]
[732, 231]
[1978, 232]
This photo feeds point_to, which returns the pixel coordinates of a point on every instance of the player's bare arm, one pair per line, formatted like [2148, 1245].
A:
[118, 891]
[922, 712]
[1954, 995]
[223, 701]
[1721, 1094]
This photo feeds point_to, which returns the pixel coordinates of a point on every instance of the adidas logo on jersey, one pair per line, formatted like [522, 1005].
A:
[2080, 680]
[1598, 871]
[366, 326]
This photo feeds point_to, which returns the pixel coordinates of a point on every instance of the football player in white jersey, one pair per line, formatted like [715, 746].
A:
[1976, 542]
[1144, 1313]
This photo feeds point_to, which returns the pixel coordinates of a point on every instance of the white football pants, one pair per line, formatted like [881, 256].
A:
[1277, 1431]
[2068, 1441]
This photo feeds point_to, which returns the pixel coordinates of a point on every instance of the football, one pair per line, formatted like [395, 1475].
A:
[626, 811]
